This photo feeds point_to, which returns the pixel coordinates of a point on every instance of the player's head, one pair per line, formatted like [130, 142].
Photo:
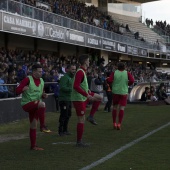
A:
[37, 70]
[121, 66]
[84, 60]
[71, 68]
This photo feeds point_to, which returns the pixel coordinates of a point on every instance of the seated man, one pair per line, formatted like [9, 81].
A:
[146, 94]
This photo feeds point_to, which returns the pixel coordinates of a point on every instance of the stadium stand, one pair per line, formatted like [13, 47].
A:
[136, 26]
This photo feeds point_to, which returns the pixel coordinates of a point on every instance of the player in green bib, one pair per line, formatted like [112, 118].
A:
[81, 95]
[120, 80]
[32, 88]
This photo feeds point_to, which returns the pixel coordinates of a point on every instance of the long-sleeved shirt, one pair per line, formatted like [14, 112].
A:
[130, 78]
[66, 83]
[79, 77]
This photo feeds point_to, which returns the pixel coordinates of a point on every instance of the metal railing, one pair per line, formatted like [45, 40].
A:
[10, 90]
[18, 8]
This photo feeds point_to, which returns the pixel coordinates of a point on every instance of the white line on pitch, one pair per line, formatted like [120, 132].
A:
[64, 143]
[109, 156]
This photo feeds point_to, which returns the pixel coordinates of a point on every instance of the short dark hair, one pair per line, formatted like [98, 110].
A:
[121, 66]
[162, 85]
[35, 66]
[147, 88]
[83, 58]
[69, 66]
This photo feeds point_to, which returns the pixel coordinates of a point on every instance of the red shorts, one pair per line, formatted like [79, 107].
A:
[31, 108]
[80, 106]
[119, 99]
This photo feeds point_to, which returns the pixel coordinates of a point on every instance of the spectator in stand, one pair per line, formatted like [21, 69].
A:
[136, 35]
[20, 73]
[127, 28]
[153, 94]
[55, 88]
[153, 78]
[3, 89]
[96, 84]
[47, 78]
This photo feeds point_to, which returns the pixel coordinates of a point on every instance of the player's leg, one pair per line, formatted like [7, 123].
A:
[122, 105]
[115, 101]
[33, 117]
[68, 115]
[114, 116]
[80, 108]
[61, 118]
[109, 101]
[95, 105]
[41, 114]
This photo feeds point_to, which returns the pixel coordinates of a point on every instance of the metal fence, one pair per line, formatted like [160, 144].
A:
[9, 90]
[18, 8]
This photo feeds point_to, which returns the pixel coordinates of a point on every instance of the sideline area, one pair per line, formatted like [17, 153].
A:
[104, 140]
[121, 149]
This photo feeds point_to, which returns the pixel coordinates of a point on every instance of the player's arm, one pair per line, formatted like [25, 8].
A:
[111, 78]
[22, 86]
[131, 79]
[44, 95]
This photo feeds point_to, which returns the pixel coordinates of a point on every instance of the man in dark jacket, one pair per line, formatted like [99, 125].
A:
[146, 94]
[66, 83]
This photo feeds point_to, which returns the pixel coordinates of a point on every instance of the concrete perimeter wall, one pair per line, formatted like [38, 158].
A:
[11, 110]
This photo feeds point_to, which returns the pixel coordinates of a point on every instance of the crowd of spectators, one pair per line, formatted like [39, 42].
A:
[154, 93]
[16, 65]
[149, 22]
[162, 27]
[68, 8]
[77, 11]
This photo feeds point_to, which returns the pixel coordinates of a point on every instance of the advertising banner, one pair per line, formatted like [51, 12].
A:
[18, 24]
[25, 26]
[109, 45]
[129, 49]
[135, 51]
[92, 41]
[121, 47]
[74, 37]
[52, 32]
[142, 52]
